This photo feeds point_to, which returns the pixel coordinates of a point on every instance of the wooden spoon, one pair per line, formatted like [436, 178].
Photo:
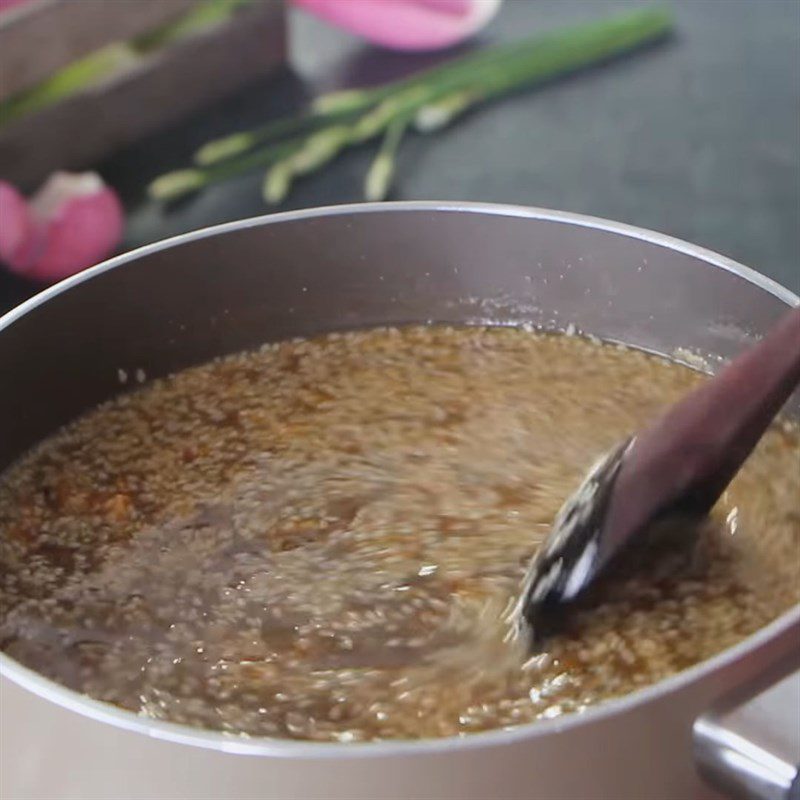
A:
[678, 467]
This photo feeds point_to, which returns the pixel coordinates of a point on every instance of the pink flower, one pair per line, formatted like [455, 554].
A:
[72, 222]
[9, 4]
[406, 24]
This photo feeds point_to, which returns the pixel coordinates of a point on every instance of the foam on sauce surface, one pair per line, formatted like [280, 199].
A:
[318, 540]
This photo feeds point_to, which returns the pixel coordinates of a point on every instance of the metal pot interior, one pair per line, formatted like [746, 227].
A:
[198, 296]
[201, 295]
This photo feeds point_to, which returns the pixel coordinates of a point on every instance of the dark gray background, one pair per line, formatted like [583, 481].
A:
[699, 137]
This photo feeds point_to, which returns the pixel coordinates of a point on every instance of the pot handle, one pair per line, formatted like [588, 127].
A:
[748, 745]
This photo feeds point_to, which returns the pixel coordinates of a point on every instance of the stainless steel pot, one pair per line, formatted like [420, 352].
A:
[185, 300]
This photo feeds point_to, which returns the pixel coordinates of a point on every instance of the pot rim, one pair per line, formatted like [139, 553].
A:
[287, 748]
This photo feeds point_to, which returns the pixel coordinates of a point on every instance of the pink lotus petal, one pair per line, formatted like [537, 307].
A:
[17, 228]
[406, 24]
[457, 7]
[83, 222]
[72, 222]
[9, 4]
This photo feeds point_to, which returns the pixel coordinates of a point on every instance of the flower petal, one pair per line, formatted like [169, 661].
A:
[71, 223]
[406, 24]
[17, 228]
[81, 220]
[7, 5]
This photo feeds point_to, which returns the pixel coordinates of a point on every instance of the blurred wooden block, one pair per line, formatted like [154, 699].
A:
[159, 89]
[38, 38]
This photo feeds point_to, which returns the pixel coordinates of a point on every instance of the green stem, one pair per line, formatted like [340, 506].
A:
[113, 60]
[543, 58]
[235, 144]
[440, 95]
[647, 22]
[573, 50]
[554, 56]
[547, 55]
[378, 180]
[314, 152]
[337, 107]
[435, 116]
[360, 99]
[82, 74]
[203, 17]
[173, 185]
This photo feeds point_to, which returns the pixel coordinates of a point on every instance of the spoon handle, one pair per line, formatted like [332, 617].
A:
[684, 462]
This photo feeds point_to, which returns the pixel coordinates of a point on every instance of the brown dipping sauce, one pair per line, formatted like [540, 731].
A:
[319, 540]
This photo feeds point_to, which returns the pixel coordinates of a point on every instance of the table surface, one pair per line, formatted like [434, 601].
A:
[698, 138]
